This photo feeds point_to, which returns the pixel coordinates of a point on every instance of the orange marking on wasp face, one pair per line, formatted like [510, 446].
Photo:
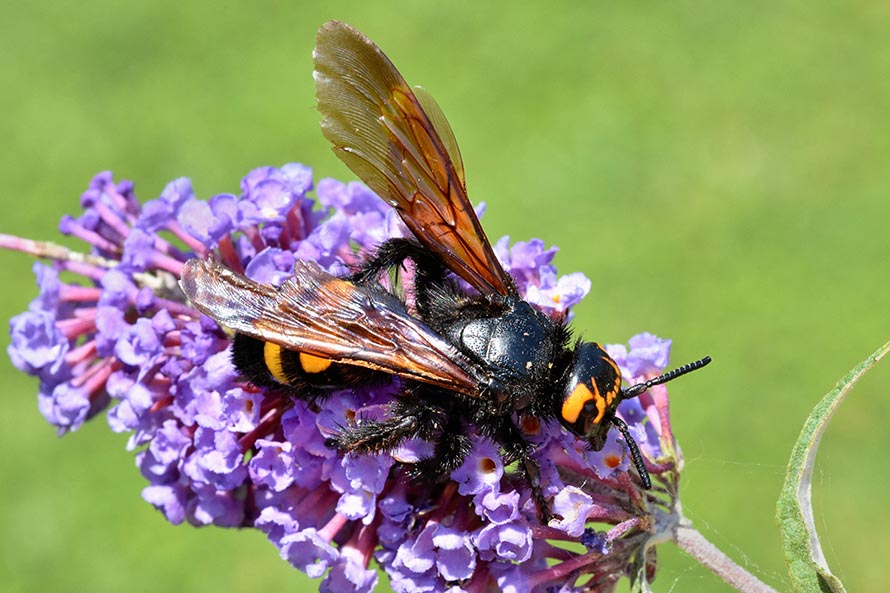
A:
[610, 396]
[616, 388]
[574, 403]
[601, 402]
[613, 392]
[314, 364]
[272, 358]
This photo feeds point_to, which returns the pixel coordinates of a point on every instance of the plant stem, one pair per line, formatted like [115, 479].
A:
[695, 544]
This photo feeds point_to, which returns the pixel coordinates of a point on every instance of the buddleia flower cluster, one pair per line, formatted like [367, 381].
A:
[215, 450]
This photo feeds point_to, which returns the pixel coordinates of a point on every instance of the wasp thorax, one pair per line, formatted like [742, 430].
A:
[591, 392]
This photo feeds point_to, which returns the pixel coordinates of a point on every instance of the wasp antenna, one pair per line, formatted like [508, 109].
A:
[639, 388]
[635, 454]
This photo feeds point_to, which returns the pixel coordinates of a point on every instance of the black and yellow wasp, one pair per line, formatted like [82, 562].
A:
[483, 362]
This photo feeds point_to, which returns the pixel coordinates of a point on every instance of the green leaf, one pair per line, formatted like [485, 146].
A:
[803, 552]
[644, 555]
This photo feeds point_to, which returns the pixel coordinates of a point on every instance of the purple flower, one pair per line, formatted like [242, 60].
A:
[139, 346]
[572, 505]
[418, 555]
[558, 297]
[530, 265]
[359, 478]
[270, 193]
[135, 401]
[455, 553]
[511, 542]
[36, 342]
[217, 460]
[308, 551]
[271, 266]
[481, 471]
[170, 499]
[648, 355]
[204, 222]
[349, 573]
[498, 507]
[156, 214]
[595, 540]
[216, 450]
[162, 460]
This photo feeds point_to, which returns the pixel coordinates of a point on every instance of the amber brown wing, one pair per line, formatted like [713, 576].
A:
[320, 314]
[402, 147]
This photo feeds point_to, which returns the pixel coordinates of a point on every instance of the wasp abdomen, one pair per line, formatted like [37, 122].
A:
[269, 365]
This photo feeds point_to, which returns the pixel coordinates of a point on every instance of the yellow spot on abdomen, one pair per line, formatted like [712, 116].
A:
[272, 358]
[314, 364]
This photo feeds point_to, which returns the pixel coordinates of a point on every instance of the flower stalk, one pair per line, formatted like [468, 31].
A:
[691, 541]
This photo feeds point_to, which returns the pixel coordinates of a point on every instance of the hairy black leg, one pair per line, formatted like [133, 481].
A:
[393, 253]
[430, 273]
[375, 436]
[452, 447]
[407, 419]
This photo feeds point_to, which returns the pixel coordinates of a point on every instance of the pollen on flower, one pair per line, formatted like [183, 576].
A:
[613, 461]
[216, 450]
[487, 465]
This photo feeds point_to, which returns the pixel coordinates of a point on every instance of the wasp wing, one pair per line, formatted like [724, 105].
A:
[320, 314]
[403, 148]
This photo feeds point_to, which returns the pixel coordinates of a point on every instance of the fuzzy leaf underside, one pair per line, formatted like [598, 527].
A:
[807, 566]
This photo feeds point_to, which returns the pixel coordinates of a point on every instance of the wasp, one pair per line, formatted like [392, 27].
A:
[482, 360]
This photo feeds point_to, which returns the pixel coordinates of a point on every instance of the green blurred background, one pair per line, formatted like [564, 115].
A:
[719, 170]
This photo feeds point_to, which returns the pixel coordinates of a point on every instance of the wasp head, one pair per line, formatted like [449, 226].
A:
[592, 393]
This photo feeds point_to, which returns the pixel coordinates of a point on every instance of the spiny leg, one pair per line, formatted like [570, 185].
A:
[452, 447]
[429, 272]
[374, 436]
[408, 419]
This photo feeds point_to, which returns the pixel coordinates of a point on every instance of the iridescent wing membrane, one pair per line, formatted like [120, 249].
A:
[319, 314]
[400, 144]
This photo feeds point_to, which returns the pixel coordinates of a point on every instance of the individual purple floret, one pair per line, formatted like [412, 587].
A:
[216, 450]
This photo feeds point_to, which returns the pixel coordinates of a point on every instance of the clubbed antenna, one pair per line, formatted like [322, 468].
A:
[635, 390]
[639, 388]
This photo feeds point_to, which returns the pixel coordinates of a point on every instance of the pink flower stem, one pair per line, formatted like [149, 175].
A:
[694, 543]
[332, 527]
[195, 245]
[563, 569]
